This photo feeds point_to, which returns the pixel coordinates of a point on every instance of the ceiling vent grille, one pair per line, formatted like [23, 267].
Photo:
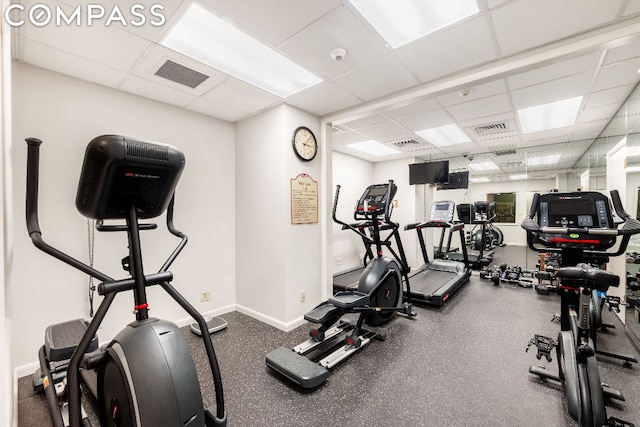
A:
[406, 143]
[491, 128]
[505, 152]
[180, 74]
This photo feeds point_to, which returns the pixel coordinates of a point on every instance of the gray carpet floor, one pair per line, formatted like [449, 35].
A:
[461, 365]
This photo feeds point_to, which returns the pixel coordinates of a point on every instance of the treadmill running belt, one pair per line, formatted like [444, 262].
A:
[343, 281]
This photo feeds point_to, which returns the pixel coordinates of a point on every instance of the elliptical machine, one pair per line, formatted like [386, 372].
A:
[145, 375]
[378, 297]
[580, 226]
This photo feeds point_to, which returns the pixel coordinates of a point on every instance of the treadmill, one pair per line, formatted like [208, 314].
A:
[478, 214]
[436, 281]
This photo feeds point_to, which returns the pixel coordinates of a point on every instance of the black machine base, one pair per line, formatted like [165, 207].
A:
[297, 368]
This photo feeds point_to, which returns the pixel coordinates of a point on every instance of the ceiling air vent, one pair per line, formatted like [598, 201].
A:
[505, 152]
[180, 74]
[490, 129]
[406, 143]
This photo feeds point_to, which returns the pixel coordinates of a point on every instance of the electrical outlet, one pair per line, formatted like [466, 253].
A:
[339, 261]
[205, 296]
[303, 296]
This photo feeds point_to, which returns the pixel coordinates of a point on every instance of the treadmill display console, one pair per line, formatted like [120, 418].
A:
[575, 210]
[374, 200]
[441, 211]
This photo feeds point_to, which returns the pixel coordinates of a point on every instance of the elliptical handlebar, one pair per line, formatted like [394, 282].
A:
[33, 173]
[387, 208]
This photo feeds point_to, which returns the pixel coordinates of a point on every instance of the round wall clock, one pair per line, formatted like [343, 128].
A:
[304, 143]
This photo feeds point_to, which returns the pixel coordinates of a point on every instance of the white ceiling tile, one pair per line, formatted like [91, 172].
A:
[241, 96]
[633, 7]
[555, 71]
[365, 122]
[153, 90]
[110, 46]
[614, 96]
[431, 119]
[273, 21]
[375, 79]
[323, 98]
[622, 53]
[450, 50]
[214, 109]
[484, 107]
[495, 3]
[418, 107]
[551, 91]
[65, 63]
[387, 132]
[339, 28]
[618, 74]
[525, 24]
[475, 92]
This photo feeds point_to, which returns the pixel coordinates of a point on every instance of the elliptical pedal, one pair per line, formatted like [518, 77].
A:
[617, 422]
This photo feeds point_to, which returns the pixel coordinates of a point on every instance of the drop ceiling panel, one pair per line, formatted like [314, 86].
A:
[339, 28]
[241, 96]
[474, 93]
[484, 107]
[427, 120]
[555, 71]
[323, 98]
[377, 78]
[209, 108]
[632, 8]
[608, 97]
[428, 60]
[386, 132]
[420, 107]
[272, 21]
[551, 91]
[97, 43]
[622, 53]
[519, 24]
[365, 122]
[152, 90]
[618, 74]
[62, 62]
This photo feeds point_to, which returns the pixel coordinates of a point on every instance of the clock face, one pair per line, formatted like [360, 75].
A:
[304, 143]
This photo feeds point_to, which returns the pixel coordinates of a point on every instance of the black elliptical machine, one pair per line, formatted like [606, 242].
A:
[580, 227]
[378, 297]
[145, 375]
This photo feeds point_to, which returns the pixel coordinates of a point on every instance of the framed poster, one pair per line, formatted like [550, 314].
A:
[304, 200]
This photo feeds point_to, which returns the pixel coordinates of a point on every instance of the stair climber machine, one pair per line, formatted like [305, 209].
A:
[378, 298]
[145, 376]
[579, 226]
[478, 214]
[437, 280]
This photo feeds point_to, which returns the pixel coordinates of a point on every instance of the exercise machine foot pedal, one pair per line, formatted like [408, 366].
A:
[297, 368]
[322, 313]
[543, 373]
[612, 393]
[61, 339]
[544, 346]
[214, 324]
[617, 422]
[349, 299]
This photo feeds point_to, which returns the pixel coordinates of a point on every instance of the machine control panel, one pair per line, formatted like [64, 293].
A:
[575, 210]
[442, 211]
[374, 200]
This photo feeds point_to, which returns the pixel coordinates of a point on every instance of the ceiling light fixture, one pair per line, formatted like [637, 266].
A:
[374, 148]
[518, 177]
[444, 135]
[553, 115]
[480, 179]
[402, 21]
[205, 37]
[631, 169]
[483, 166]
[551, 159]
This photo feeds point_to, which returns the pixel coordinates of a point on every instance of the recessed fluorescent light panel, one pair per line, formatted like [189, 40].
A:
[481, 179]
[518, 177]
[444, 135]
[550, 116]
[631, 169]
[402, 21]
[211, 40]
[483, 166]
[374, 148]
[633, 151]
[551, 159]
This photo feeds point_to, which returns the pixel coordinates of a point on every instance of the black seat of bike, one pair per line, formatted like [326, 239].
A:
[584, 275]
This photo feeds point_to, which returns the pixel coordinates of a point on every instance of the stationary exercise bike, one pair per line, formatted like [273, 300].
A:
[145, 375]
[580, 226]
[378, 297]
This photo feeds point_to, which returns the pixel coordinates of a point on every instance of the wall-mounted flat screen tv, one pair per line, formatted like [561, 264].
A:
[429, 173]
[456, 181]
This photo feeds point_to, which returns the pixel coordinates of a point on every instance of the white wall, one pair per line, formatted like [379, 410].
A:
[353, 175]
[66, 114]
[276, 260]
[616, 162]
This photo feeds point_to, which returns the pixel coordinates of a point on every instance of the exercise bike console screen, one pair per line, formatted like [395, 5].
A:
[588, 210]
[119, 172]
[374, 200]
